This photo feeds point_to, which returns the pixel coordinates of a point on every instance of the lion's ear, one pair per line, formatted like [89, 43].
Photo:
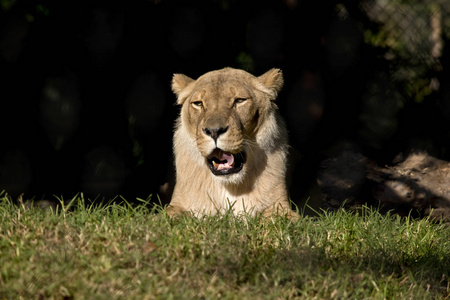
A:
[179, 84]
[272, 80]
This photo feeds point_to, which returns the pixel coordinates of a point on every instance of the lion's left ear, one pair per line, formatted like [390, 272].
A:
[179, 84]
[273, 81]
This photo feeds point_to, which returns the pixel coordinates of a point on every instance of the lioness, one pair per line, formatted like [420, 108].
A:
[230, 145]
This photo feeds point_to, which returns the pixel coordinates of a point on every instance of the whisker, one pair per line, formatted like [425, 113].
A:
[249, 147]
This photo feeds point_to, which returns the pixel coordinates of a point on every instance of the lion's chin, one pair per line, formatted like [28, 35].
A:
[225, 163]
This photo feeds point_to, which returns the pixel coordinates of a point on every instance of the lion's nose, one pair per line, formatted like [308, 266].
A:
[215, 132]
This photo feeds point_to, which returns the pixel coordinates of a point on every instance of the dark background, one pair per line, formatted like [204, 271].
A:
[86, 105]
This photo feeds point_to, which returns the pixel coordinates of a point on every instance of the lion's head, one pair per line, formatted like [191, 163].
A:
[225, 112]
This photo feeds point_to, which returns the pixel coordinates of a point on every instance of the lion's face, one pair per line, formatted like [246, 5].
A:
[223, 111]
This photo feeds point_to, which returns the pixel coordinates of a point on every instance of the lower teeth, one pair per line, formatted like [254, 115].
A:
[222, 166]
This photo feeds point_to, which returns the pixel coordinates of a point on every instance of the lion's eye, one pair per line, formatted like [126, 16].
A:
[239, 101]
[198, 104]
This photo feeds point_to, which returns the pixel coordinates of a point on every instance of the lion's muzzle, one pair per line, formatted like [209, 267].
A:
[225, 163]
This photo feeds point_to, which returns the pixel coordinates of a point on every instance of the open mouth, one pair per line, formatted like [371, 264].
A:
[224, 163]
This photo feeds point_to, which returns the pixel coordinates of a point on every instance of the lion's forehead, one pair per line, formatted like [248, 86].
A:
[227, 89]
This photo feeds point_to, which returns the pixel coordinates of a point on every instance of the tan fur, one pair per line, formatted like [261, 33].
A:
[253, 125]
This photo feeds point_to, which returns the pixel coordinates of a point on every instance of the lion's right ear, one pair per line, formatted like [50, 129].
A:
[180, 83]
[273, 81]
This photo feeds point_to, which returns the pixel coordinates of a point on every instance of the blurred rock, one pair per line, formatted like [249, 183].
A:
[418, 185]
[421, 182]
[341, 179]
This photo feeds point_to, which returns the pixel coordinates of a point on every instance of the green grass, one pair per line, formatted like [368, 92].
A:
[130, 252]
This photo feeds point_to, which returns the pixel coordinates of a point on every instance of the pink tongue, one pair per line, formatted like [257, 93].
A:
[226, 158]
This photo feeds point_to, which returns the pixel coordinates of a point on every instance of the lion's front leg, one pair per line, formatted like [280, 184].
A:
[280, 210]
[174, 211]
